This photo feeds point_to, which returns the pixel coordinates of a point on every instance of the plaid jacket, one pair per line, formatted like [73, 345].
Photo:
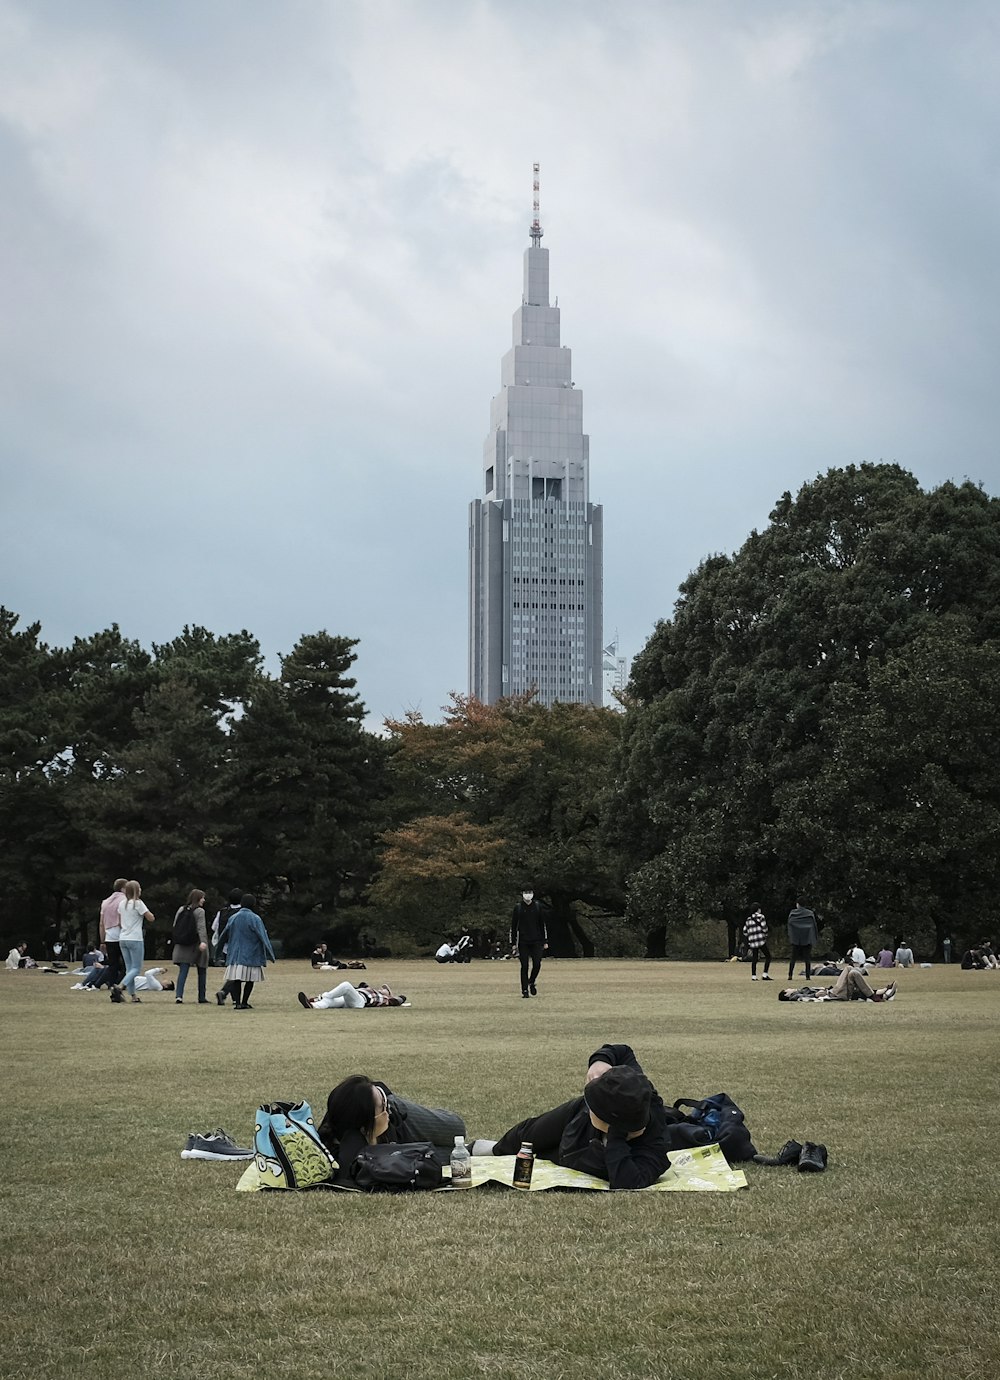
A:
[755, 931]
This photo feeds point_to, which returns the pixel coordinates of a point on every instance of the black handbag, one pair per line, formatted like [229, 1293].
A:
[398, 1168]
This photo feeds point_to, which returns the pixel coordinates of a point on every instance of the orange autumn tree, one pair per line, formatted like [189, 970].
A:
[493, 796]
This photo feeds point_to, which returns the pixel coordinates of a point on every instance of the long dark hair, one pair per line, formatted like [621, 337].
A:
[350, 1107]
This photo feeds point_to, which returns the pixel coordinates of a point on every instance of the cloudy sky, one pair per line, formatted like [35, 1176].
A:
[260, 259]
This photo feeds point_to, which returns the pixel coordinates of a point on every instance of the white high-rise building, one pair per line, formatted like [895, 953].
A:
[535, 539]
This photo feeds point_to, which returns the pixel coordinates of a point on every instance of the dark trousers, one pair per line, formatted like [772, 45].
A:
[762, 951]
[545, 1131]
[530, 953]
[803, 951]
[115, 961]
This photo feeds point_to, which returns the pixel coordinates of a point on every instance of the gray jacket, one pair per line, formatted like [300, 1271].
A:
[802, 926]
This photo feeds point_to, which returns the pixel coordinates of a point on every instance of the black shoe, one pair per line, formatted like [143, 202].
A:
[220, 997]
[532, 989]
[203, 1001]
[790, 1153]
[813, 1158]
[525, 993]
[116, 995]
[304, 1001]
[244, 1006]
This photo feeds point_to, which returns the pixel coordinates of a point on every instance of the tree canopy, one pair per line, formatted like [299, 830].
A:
[816, 715]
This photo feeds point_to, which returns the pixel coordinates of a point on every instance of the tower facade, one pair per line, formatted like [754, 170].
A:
[535, 539]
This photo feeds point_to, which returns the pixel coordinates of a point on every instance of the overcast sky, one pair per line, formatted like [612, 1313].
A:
[260, 260]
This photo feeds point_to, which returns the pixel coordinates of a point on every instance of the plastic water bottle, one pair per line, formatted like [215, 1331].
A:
[461, 1165]
[524, 1163]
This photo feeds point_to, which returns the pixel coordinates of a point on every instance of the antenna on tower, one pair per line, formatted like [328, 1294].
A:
[536, 225]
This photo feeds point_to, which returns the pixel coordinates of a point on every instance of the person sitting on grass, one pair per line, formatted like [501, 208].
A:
[19, 958]
[321, 958]
[357, 998]
[850, 986]
[362, 1112]
[974, 959]
[616, 1131]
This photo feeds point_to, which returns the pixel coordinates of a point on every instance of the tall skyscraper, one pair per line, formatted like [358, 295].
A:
[536, 571]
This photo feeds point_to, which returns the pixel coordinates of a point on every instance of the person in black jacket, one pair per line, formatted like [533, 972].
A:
[616, 1131]
[803, 933]
[529, 938]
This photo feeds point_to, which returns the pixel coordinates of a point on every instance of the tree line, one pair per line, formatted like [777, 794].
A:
[818, 716]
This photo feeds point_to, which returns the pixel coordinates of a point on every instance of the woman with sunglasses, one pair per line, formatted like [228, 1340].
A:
[362, 1112]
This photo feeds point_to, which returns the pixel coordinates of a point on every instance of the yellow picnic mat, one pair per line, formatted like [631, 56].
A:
[702, 1170]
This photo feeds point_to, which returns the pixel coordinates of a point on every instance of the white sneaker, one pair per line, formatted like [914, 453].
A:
[753, 977]
[767, 978]
[77, 987]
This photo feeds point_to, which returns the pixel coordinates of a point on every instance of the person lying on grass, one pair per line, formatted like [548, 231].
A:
[362, 1112]
[850, 986]
[616, 1131]
[357, 998]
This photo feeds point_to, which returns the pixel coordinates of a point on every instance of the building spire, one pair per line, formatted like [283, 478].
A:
[536, 225]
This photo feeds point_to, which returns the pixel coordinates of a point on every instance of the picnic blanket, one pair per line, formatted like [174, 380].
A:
[704, 1169]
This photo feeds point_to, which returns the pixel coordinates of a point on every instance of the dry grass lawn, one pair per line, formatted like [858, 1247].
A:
[121, 1260]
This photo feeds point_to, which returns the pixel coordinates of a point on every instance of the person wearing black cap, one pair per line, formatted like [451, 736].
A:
[616, 1131]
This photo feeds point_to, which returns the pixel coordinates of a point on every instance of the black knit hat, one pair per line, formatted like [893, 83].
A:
[620, 1097]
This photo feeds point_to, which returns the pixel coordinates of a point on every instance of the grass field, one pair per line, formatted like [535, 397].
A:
[120, 1259]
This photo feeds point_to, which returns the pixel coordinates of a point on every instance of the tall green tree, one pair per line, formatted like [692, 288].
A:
[157, 811]
[308, 784]
[749, 710]
[33, 820]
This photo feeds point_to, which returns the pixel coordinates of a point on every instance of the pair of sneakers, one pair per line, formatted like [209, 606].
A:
[809, 1157]
[214, 1145]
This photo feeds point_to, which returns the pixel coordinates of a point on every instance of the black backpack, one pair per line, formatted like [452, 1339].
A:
[720, 1117]
[186, 929]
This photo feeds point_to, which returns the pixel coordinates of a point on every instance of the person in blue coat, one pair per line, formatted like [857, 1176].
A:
[247, 950]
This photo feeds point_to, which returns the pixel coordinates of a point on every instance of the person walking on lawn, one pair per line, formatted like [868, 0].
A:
[247, 952]
[529, 938]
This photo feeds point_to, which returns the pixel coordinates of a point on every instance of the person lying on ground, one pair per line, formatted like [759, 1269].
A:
[850, 986]
[149, 981]
[616, 1131]
[362, 1112]
[357, 998]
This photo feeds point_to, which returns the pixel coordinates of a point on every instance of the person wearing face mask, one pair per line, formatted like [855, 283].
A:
[529, 938]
